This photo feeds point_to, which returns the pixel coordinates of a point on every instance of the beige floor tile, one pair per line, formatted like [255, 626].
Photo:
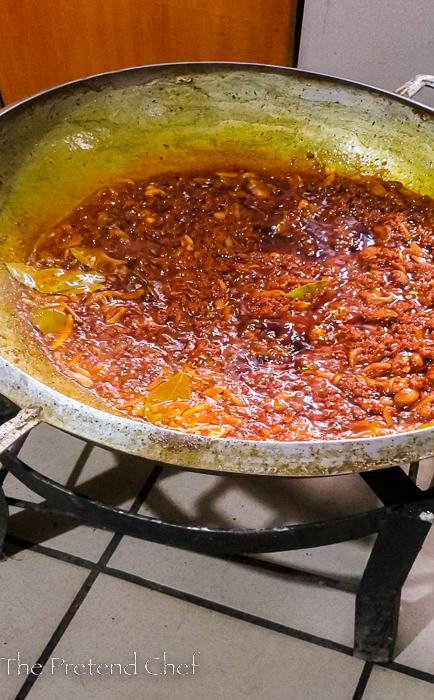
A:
[51, 452]
[315, 609]
[240, 501]
[416, 630]
[345, 561]
[190, 498]
[426, 473]
[230, 501]
[97, 472]
[35, 593]
[58, 533]
[110, 477]
[389, 685]
[237, 660]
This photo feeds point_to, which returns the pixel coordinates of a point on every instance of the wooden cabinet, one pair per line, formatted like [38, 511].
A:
[47, 42]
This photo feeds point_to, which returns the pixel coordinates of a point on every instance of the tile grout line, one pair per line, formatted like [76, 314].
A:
[227, 610]
[309, 577]
[182, 595]
[25, 545]
[291, 572]
[58, 633]
[100, 567]
[363, 681]
[216, 607]
[409, 671]
[86, 587]
[223, 609]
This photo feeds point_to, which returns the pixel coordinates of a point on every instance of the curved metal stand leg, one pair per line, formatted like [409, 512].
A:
[398, 543]
[199, 539]
[4, 514]
[7, 411]
[402, 525]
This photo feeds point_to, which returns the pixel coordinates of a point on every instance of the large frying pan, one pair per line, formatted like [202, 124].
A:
[61, 145]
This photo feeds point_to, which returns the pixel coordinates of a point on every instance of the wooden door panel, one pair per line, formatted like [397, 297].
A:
[47, 42]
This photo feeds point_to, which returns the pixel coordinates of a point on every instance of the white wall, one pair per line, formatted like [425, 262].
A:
[378, 42]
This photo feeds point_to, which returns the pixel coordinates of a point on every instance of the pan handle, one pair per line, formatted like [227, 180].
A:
[413, 86]
[16, 427]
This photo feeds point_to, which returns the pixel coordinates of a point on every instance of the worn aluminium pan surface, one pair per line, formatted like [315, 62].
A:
[63, 144]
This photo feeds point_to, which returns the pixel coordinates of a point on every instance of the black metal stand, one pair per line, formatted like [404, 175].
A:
[4, 513]
[7, 411]
[399, 541]
[402, 525]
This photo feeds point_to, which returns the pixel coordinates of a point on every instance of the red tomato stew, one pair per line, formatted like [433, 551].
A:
[260, 306]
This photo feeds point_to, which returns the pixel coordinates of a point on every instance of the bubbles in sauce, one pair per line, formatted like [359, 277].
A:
[296, 306]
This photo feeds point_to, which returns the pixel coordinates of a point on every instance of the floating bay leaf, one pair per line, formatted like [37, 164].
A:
[54, 280]
[50, 320]
[306, 289]
[175, 388]
[25, 274]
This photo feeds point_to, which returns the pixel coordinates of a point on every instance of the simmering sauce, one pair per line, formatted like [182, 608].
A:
[260, 306]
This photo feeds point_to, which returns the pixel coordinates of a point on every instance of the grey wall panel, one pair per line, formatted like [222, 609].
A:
[378, 42]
